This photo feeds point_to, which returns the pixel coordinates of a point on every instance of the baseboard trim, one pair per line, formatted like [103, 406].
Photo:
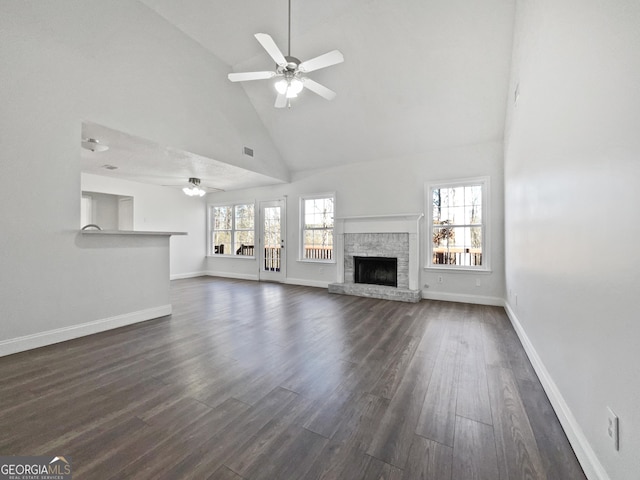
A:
[592, 467]
[42, 339]
[180, 276]
[237, 276]
[463, 298]
[288, 281]
[306, 283]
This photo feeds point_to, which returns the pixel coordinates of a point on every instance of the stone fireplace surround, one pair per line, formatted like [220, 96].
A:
[390, 245]
[382, 236]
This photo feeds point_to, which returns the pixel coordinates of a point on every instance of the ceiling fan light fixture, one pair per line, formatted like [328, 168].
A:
[290, 87]
[295, 86]
[194, 189]
[281, 86]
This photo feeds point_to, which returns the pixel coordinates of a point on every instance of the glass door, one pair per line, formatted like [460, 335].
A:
[272, 235]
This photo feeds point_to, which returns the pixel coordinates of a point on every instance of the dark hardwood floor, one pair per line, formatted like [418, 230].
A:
[252, 380]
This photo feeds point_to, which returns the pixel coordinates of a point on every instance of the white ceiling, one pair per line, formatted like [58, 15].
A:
[418, 75]
[144, 161]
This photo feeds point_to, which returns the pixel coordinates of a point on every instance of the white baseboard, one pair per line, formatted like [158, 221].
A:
[448, 297]
[307, 283]
[42, 339]
[238, 276]
[289, 281]
[592, 467]
[179, 276]
[463, 298]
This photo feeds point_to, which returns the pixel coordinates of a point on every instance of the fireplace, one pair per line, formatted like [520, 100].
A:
[391, 241]
[376, 270]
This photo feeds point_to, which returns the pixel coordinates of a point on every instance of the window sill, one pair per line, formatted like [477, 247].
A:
[458, 269]
[323, 262]
[243, 257]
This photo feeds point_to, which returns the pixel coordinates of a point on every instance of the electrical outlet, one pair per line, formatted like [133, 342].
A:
[440, 279]
[612, 428]
[478, 283]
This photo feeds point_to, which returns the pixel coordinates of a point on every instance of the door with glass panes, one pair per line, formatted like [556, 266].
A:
[271, 243]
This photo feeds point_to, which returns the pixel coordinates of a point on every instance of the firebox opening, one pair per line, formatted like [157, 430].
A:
[376, 270]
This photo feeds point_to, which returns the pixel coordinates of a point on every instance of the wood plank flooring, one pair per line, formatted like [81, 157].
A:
[252, 380]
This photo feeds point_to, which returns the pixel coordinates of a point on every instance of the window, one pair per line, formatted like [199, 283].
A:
[316, 220]
[232, 229]
[457, 237]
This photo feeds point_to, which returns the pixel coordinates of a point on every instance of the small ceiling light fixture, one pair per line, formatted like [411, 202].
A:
[194, 189]
[93, 145]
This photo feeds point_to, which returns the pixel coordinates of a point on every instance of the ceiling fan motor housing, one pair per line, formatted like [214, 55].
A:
[290, 67]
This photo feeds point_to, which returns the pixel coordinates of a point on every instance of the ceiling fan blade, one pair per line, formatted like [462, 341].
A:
[272, 49]
[281, 101]
[321, 90]
[331, 58]
[245, 76]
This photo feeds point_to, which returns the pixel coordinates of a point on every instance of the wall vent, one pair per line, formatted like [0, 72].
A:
[248, 151]
[109, 167]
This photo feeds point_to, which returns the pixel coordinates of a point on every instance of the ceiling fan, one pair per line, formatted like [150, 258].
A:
[291, 70]
[195, 189]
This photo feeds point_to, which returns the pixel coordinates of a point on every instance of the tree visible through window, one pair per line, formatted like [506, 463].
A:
[317, 227]
[232, 229]
[457, 226]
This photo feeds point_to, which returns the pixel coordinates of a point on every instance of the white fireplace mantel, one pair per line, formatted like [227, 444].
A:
[394, 223]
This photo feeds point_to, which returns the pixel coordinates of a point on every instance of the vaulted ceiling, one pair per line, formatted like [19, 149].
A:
[418, 75]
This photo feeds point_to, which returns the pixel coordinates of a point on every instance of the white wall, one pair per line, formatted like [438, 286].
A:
[118, 64]
[163, 209]
[572, 222]
[385, 187]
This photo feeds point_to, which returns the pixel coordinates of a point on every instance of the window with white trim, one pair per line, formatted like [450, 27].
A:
[457, 223]
[232, 230]
[316, 228]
